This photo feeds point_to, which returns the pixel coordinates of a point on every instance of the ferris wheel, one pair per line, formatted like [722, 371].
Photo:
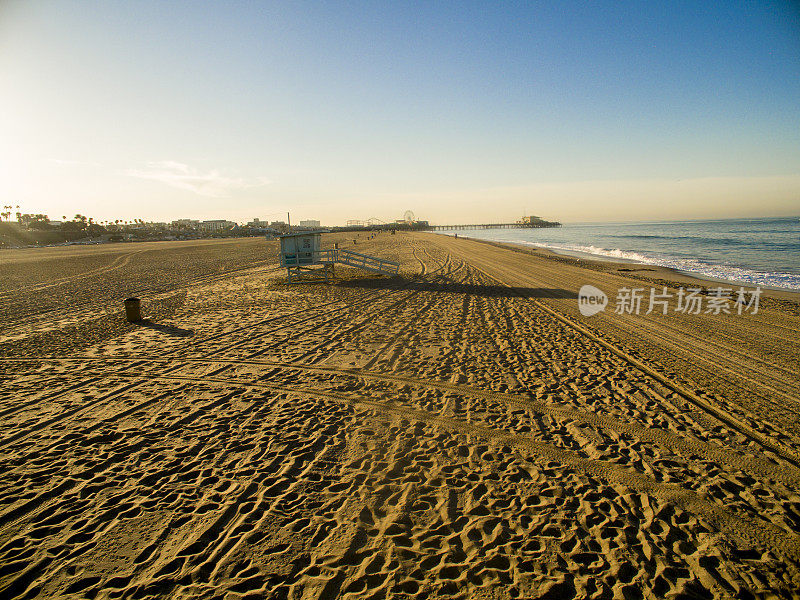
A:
[408, 217]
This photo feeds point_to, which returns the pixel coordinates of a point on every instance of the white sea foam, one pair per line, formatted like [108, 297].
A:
[728, 273]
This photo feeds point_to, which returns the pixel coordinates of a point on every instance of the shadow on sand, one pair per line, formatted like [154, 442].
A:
[166, 329]
[455, 288]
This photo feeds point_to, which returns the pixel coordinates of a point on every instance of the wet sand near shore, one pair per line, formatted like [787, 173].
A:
[460, 431]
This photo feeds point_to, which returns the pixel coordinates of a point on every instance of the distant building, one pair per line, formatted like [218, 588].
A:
[309, 223]
[185, 224]
[256, 222]
[415, 224]
[279, 226]
[216, 225]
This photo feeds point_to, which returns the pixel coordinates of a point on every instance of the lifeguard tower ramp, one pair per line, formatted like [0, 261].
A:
[305, 261]
[364, 261]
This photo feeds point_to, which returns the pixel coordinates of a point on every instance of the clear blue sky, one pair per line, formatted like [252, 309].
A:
[458, 111]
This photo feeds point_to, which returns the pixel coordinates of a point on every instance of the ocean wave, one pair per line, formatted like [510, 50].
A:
[643, 237]
[713, 241]
[728, 273]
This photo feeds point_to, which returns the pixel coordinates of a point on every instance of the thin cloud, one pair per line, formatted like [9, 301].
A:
[212, 184]
[74, 163]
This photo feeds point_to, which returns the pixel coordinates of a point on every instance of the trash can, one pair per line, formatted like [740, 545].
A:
[133, 310]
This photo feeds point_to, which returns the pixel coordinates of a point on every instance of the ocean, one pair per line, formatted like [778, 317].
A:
[753, 252]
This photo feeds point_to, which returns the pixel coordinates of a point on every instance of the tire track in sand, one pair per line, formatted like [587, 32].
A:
[729, 420]
[732, 525]
[661, 437]
[366, 297]
[117, 263]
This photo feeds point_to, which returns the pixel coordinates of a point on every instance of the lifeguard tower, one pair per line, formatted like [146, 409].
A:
[304, 259]
[301, 255]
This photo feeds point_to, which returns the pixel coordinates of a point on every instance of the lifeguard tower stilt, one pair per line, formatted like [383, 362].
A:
[305, 261]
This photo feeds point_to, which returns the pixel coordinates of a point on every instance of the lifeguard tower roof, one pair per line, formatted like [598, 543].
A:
[301, 233]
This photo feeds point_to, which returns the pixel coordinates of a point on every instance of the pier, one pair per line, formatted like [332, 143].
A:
[537, 225]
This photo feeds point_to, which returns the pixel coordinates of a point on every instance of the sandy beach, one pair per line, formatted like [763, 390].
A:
[459, 431]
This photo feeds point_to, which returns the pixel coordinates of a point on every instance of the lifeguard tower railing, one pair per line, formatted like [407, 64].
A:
[364, 261]
[345, 257]
[310, 257]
